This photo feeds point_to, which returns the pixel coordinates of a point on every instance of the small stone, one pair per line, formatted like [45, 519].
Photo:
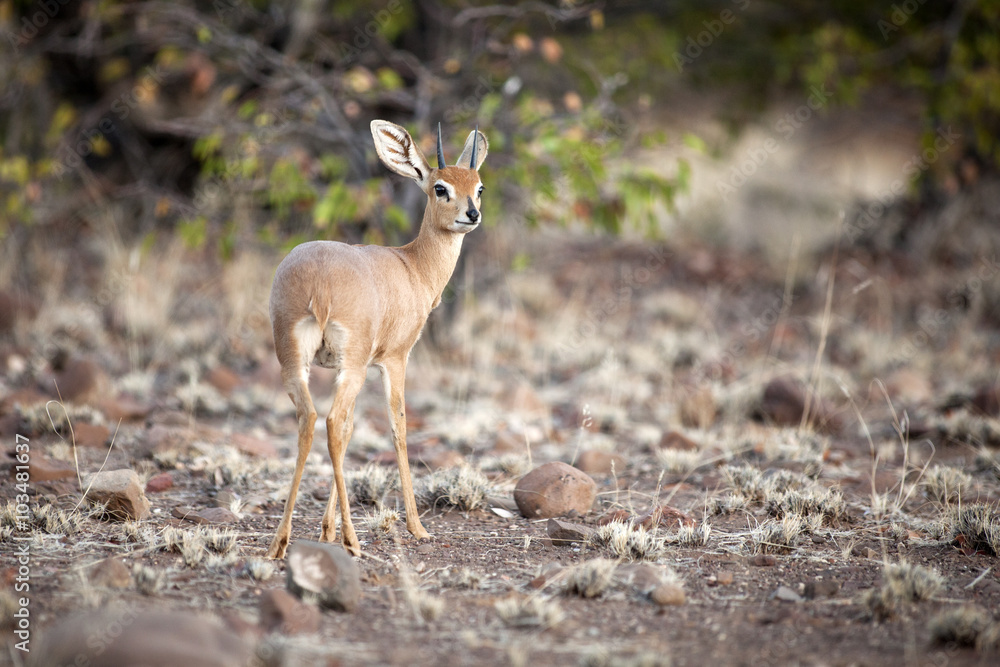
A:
[121, 493]
[43, 469]
[548, 572]
[640, 577]
[784, 402]
[81, 381]
[223, 379]
[208, 515]
[254, 446]
[677, 440]
[597, 462]
[764, 560]
[821, 588]
[555, 489]
[909, 386]
[160, 482]
[786, 594]
[724, 578]
[665, 516]
[326, 571]
[668, 595]
[440, 458]
[698, 408]
[564, 533]
[611, 516]
[125, 636]
[110, 573]
[91, 435]
[282, 611]
[124, 408]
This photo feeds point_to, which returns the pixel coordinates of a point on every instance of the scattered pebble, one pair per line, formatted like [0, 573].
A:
[283, 612]
[668, 595]
[564, 533]
[597, 462]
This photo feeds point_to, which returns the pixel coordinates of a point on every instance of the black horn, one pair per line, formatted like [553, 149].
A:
[440, 149]
[475, 148]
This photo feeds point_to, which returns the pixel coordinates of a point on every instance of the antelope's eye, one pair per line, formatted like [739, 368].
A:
[480, 193]
[440, 191]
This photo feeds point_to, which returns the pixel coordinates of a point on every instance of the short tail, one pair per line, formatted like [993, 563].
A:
[321, 312]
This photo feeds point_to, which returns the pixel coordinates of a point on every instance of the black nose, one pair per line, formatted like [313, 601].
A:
[473, 214]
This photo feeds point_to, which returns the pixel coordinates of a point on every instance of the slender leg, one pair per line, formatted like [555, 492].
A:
[394, 380]
[329, 533]
[298, 390]
[339, 428]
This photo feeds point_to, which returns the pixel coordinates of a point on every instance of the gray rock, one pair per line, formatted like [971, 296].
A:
[564, 533]
[786, 594]
[125, 636]
[325, 571]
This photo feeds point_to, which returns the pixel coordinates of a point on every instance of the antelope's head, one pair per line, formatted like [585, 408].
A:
[454, 194]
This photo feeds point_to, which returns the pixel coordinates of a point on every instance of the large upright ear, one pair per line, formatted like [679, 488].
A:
[399, 152]
[465, 160]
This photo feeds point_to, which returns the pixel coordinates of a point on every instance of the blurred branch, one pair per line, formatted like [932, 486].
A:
[522, 10]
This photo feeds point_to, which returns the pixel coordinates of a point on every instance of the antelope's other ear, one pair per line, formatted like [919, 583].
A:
[399, 152]
[465, 160]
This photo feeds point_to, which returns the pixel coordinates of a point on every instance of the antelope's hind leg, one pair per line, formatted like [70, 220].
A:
[296, 382]
[339, 428]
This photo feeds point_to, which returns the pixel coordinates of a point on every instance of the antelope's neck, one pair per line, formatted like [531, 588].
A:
[433, 256]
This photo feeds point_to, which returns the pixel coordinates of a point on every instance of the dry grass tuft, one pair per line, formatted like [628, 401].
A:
[827, 504]
[753, 484]
[945, 484]
[590, 578]
[371, 484]
[960, 625]
[190, 544]
[512, 465]
[629, 542]
[773, 537]
[221, 541]
[461, 578]
[463, 487]
[614, 658]
[902, 583]
[988, 642]
[148, 580]
[533, 611]
[729, 504]
[692, 536]
[977, 526]
[678, 461]
[259, 569]
[384, 521]
[136, 532]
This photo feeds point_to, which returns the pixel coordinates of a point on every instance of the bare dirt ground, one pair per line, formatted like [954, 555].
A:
[692, 364]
